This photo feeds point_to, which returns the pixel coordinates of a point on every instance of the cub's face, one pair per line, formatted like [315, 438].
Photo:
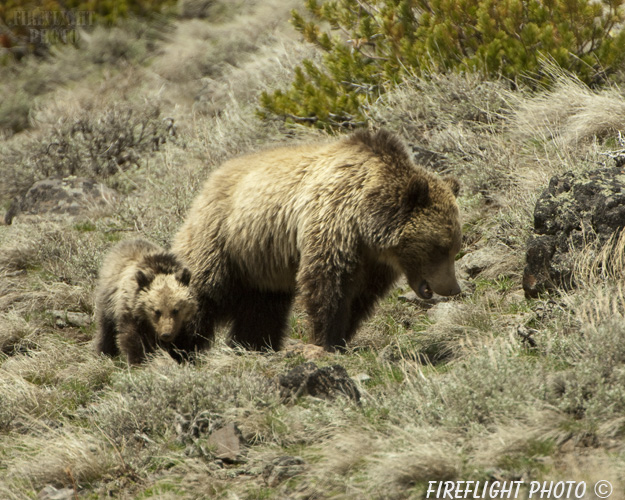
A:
[168, 305]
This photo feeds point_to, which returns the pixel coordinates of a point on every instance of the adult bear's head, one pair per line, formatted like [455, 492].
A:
[431, 235]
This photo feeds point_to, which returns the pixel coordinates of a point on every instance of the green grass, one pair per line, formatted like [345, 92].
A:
[530, 459]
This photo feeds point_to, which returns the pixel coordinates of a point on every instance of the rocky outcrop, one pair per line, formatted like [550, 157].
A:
[574, 210]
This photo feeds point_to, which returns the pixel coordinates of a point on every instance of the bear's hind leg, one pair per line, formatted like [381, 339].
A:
[260, 320]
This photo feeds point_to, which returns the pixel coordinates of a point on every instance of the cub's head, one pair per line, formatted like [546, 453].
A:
[165, 300]
[431, 236]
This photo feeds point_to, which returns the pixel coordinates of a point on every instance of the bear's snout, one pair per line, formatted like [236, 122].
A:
[167, 330]
[455, 290]
[167, 336]
[447, 288]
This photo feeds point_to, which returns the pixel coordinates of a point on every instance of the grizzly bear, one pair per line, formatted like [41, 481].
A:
[335, 224]
[143, 301]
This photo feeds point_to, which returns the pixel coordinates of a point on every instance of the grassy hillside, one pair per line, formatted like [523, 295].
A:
[488, 386]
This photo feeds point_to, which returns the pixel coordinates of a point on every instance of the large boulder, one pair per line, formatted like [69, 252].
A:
[574, 210]
[69, 195]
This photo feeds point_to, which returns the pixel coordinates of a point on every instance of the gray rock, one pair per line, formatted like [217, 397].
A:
[325, 382]
[52, 493]
[573, 211]
[55, 195]
[69, 318]
[228, 443]
[487, 261]
[444, 310]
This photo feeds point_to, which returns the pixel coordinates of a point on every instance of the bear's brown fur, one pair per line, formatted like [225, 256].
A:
[143, 301]
[336, 223]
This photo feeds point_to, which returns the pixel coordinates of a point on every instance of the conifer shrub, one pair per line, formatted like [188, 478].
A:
[371, 45]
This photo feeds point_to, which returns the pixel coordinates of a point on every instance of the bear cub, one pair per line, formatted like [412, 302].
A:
[143, 302]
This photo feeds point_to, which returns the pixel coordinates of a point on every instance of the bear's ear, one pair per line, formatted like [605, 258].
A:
[453, 184]
[143, 278]
[417, 193]
[184, 276]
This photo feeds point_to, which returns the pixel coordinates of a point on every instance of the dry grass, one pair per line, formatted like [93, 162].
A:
[451, 392]
[570, 113]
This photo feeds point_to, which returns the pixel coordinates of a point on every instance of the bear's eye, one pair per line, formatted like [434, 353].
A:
[157, 313]
[175, 311]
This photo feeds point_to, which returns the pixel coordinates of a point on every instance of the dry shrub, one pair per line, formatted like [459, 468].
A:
[599, 271]
[104, 144]
[96, 145]
[409, 456]
[149, 400]
[434, 102]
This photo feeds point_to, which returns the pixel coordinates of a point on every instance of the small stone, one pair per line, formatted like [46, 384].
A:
[308, 351]
[228, 443]
[413, 298]
[52, 493]
[488, 261]
[443, 311]
[69, 318]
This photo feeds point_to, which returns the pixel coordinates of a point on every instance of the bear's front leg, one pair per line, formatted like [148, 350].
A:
[105, 341]
[327, 291]
[132, 342]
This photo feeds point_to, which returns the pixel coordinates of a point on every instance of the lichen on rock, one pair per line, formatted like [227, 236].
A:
[574, 210]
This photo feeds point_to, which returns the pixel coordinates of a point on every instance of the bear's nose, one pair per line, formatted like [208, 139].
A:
[167, 336]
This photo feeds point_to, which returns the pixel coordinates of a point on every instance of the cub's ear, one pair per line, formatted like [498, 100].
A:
[184, 276]
[144, 278]
[454, 185]
[416, 193]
